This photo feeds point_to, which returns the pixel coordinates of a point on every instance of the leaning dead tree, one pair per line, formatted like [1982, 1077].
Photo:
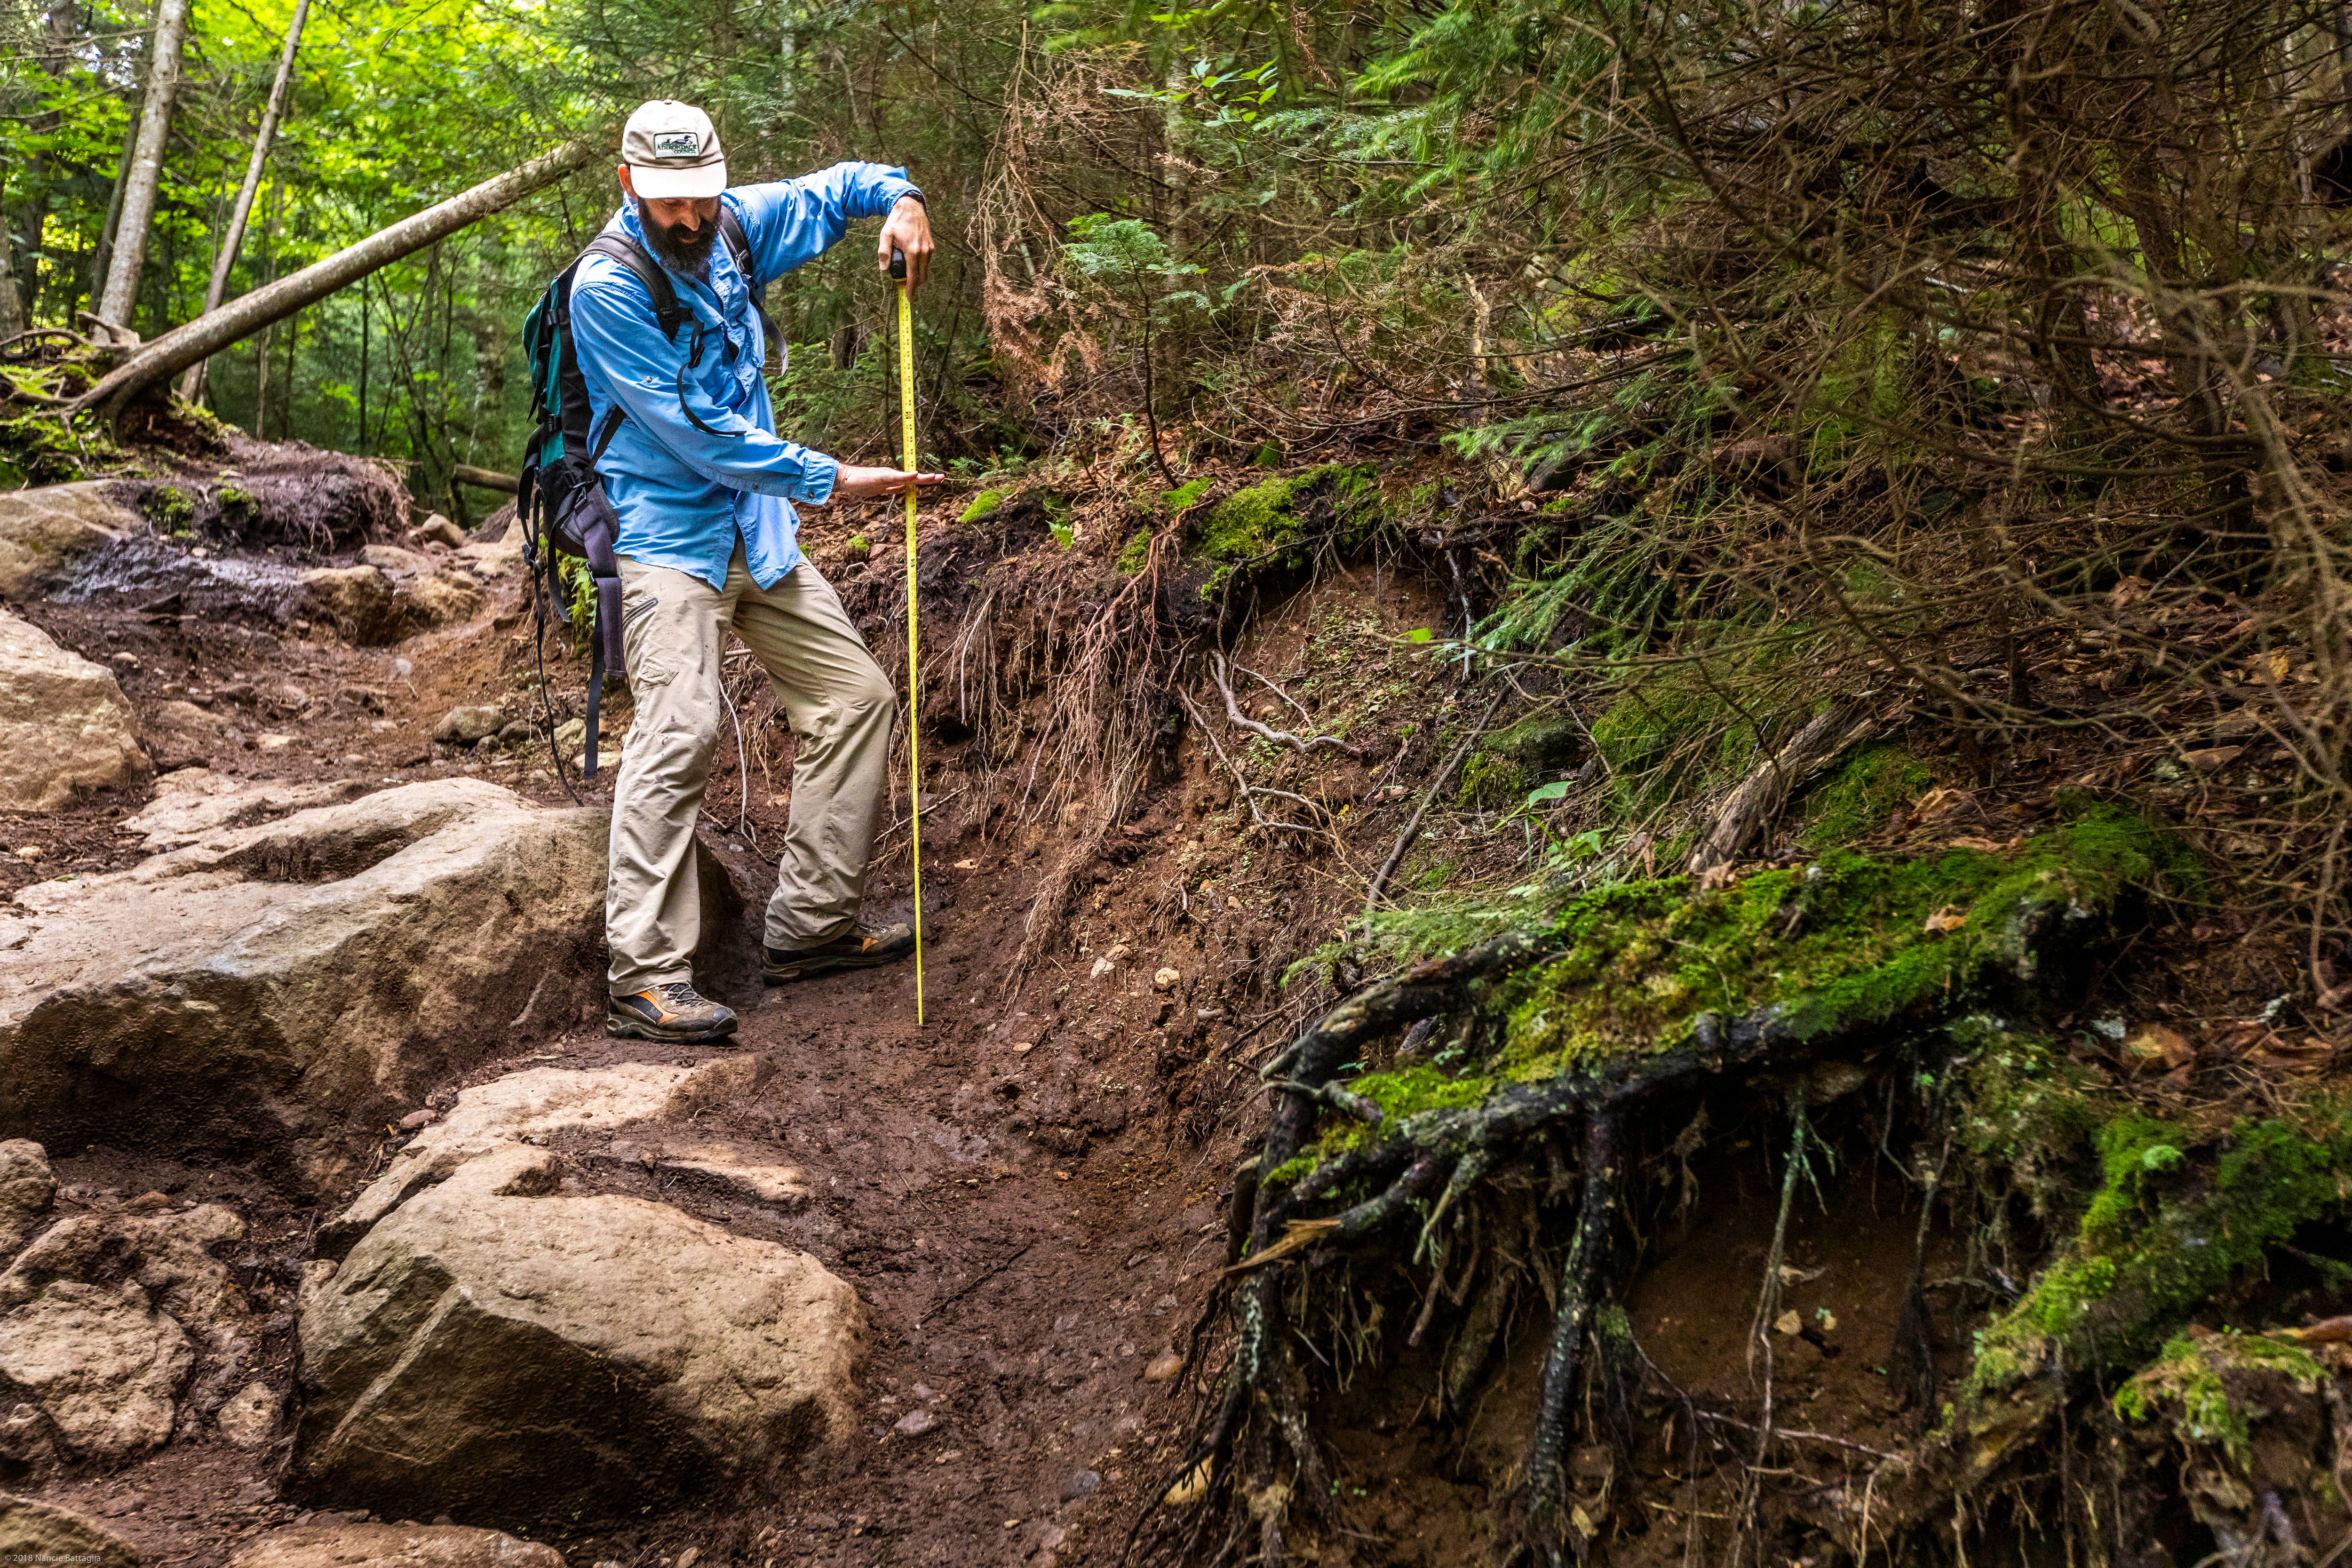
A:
[198, 340]
[138, 191]
[233, 236]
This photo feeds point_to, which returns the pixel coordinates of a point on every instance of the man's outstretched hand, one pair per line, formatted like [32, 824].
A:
[907, 229]
[865, 484]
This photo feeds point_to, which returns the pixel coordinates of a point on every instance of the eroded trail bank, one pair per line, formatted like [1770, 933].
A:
[1946, 1133]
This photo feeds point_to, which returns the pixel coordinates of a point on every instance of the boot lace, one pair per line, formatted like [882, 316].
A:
[678, 993]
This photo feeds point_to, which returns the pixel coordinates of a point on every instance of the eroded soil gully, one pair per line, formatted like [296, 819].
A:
[1025, 1194]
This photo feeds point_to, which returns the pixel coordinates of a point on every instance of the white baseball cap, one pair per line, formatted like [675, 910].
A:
[672, 150]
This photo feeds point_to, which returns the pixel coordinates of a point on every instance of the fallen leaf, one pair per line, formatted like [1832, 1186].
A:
[1164, 1367]
[1190, 1489]
[2154, 1044]
[1583, 1522]
[2327, 1331]
[1787, 1322]
[1976, 842]
[2212, 759]
[1951, 917]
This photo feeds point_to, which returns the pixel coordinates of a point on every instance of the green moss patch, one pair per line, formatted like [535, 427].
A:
[1505, 765]
[987, 503]
[1863, 791]
[1138, 552]
[1268, 525]
[2211, 1389]
[2165, 1234]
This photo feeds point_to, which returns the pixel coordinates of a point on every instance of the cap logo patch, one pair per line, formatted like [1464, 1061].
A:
[678, 145]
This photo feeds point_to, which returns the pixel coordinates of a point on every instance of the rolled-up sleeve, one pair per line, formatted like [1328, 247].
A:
[791, 222]
[613, 325]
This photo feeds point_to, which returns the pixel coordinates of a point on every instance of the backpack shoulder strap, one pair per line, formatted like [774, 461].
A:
[738, 246]
[620, 248]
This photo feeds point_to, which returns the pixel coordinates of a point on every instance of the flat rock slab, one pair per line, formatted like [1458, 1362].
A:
[394, 1546]
[65, 728]
[279, 992]
[192, 804]
[532, 1106]
[45, 529]
[41, 1532]
[499, 1347]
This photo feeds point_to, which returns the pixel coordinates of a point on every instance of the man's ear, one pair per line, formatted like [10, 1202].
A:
[627, 184]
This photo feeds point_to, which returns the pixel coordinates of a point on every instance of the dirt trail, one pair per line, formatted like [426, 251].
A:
[1003, 1187]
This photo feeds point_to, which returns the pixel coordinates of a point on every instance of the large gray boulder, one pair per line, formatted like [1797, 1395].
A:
[65, 728]
[43, 530]
[498, 1346]
[279, 992]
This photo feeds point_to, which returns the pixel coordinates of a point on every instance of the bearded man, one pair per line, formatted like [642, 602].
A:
[705, 489]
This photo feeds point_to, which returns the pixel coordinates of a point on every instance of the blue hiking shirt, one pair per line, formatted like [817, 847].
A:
[684, 496]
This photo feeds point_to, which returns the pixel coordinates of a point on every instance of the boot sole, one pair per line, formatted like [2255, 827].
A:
[785, 973]
[623, 1028]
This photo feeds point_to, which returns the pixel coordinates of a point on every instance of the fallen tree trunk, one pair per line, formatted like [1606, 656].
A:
[185, 345]
[485, 479]
[1757, 800]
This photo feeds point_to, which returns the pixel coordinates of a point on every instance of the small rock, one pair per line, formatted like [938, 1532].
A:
[464, 725]
[416, 1118]
[26, 1189]
[32, 852]
[689, 1557]
[1163, 1367]
[1165, 980]
[1102, 966]
[271, 743]
[441, 531]
[914, 1424]
[822, 1521]
[1787, 1322]
[147, 1203]
[249, 1419]
[127, 660]
[1080, 1485]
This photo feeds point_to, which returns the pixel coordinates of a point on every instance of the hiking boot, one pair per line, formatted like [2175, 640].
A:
[863, 947]
[672, 1011]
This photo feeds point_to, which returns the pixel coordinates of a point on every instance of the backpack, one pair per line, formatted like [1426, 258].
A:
[560, 498]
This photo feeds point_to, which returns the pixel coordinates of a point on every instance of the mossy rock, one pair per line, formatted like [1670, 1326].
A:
[1502, 766]
[1270, 526]
[985, 504]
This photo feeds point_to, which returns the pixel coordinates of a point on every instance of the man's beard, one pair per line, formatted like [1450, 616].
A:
[674, 246]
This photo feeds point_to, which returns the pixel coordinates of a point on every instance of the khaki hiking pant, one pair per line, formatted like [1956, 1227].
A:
[674, 628]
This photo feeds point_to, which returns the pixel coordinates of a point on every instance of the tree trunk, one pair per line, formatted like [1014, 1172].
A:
[183, 346]
[104, 256]
[121, 296]
[12, 304]
[193, 387]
